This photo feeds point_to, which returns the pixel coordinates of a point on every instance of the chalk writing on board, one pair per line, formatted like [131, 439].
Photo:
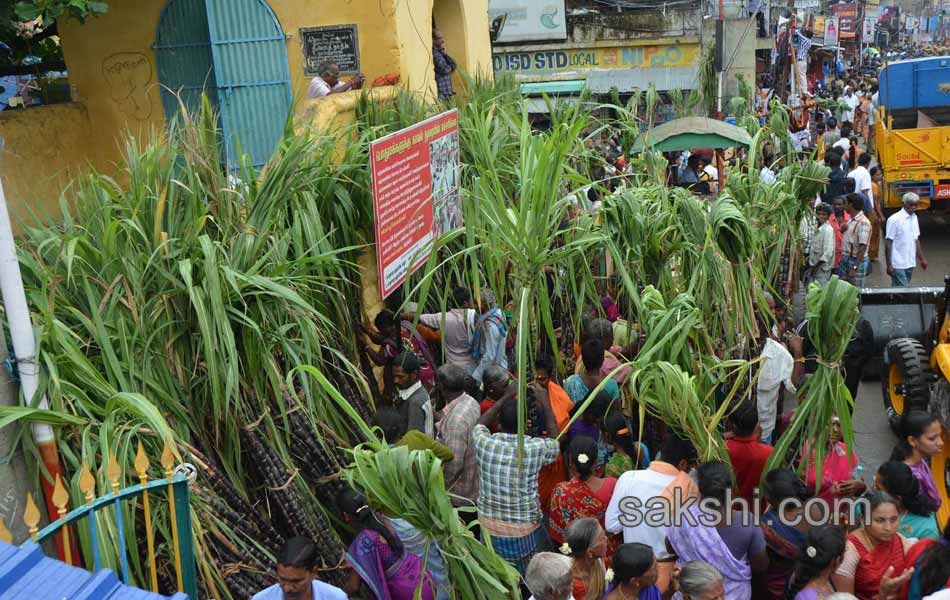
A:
[336, 43]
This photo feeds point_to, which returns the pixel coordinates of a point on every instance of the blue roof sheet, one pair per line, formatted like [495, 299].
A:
[27, 574]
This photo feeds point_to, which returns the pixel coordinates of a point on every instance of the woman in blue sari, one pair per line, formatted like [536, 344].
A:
[377, 556]
[783, 542]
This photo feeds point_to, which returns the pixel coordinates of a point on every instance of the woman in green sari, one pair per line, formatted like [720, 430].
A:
[916, 518]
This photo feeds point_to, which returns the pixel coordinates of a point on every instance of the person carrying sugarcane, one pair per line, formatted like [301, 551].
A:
[488, 339]
[509, 508]
[457, 327]
[659, 487]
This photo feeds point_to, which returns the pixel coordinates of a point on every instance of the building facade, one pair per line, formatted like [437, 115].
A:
[605, 46]
[134, 68]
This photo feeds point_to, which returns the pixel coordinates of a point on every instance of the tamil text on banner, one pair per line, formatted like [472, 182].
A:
[529, 20]
[668, 66]
[847, 20]
[416, 195]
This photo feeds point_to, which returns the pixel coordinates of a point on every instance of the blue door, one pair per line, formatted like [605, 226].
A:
[249, 71]
[183, 53]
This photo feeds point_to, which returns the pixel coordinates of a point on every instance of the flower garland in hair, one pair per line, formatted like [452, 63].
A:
[565, 549]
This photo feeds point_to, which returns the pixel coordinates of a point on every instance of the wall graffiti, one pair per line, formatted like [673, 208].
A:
[128, 75]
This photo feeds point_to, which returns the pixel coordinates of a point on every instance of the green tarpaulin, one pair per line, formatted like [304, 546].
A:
[692, 133]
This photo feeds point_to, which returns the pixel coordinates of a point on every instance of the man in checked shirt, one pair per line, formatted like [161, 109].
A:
[444, 66]
[509, 507]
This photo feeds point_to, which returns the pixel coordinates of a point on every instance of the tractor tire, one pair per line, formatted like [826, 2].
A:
[905, 381]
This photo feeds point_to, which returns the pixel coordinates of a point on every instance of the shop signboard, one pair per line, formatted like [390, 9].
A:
[831, 31]
[629, 67]
[847, 20]
[415, 175]
[529, 20]
[668, 66]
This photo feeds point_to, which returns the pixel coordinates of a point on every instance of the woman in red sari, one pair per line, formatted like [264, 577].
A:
[873, 549]
[584, 495]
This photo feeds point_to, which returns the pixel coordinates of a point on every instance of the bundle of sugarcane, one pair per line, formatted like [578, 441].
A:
[737, 243]
[408, 484]
[687, 403]
[805, 181]
[832, 315]
[173, 303]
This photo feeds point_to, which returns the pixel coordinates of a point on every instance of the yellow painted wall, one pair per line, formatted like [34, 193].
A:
[112, 66]
[44, 147]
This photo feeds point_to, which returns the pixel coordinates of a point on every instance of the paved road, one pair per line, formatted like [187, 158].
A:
[873, 437]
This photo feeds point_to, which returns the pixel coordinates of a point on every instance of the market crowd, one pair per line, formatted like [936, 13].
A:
[602, 506]
[561, 512]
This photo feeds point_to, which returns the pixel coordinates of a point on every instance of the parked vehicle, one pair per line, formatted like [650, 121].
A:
[917, 376]
[913, 131]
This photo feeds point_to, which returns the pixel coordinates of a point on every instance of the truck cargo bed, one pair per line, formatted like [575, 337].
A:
[909, 118]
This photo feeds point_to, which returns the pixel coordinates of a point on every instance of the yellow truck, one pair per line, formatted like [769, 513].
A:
[913, 131]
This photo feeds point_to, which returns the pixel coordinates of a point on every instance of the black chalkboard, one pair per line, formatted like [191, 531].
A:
[339, 44]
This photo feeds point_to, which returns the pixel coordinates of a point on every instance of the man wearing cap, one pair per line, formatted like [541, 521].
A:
[902, 243]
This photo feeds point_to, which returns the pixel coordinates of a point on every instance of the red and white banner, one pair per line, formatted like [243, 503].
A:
[416, 195]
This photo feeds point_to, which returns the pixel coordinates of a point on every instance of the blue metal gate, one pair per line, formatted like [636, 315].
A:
[249, 74]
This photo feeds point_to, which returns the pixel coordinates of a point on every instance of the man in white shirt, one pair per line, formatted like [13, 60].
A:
[851, 101]
[296, 575]
[862, 177]
[328, 81]
[457, 327]
[643, 501]
[902, 243]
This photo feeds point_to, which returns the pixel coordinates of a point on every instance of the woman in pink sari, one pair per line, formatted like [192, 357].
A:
[839, 472]
[377, 556]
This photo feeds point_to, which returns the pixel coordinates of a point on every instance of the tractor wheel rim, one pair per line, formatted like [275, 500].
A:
[895, 379]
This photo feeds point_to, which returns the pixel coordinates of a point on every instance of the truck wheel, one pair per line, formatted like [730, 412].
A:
[906, 379]
[940, 465]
